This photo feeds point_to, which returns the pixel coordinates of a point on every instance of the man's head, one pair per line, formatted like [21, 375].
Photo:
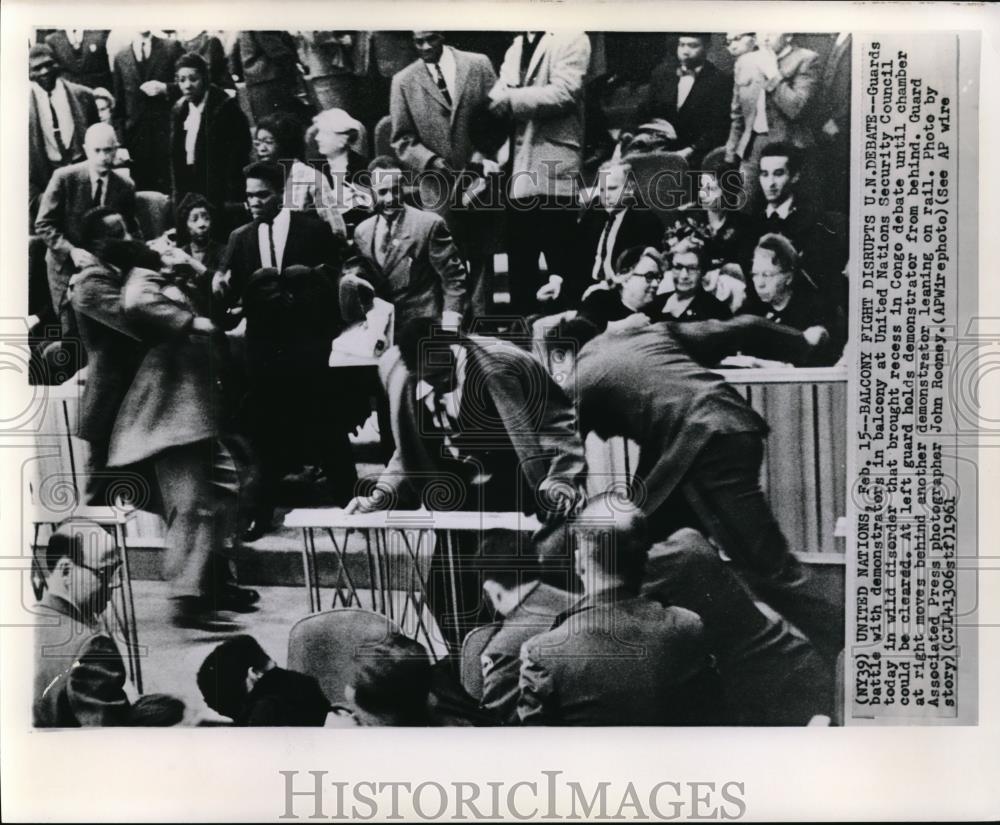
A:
[43, 67]
[387, 185]
[230, 672]
[100, 225]
[780, 164]
[101, 146]
[688, 267]
[610, 543]
[616, 186]
[739, 43]
[391, 683]
[265, 186]
[191, 74]
[426, 350]
[429, 45]
[105, 102]
[81, 566]
[774, 265]
[691, 49]
[775, 41]
[638, 273]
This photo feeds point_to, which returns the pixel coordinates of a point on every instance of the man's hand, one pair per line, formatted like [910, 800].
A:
[82, 258]
[364, 504]
[175, 256]
[500, 105]
[220, 283]
[202, 326]
[153, 88]
[551, 290]
[636, 320]
[816, 335]
[451, 320]
[559, 498]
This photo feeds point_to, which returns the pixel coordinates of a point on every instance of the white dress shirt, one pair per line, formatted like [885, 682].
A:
[782, 209]
[684, 83]
[64, 116]
[140, 44]
[447, 64]
[280, 229]
[191, 125]
[604, 266]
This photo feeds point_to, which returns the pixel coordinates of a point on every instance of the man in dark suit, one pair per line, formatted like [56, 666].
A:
[615, 657]
[694, 96]
[833, 120]
[701, 447]
[71, 192]
[528, 606]
[435, 102]
[268, 62]
[483, 418]
[422, 270]
[145, 90]
[83, 54]
[59, 112]
[209, 138]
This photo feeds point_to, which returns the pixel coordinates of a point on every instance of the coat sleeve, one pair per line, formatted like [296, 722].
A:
[450, 267]
[154, 315]
[536, 688]
[52, 215]
[737, 122]
[405, 139]
[501, 678]
[563, 91]
[792, 94]
[97, 297]
[96, 685]
[716, 127]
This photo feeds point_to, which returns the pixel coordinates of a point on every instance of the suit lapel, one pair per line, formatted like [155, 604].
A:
[540, 51]
[461, 78]
[430, 87]
[400, 231]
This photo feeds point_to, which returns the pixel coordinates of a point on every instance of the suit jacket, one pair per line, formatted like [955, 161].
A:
[423, 273]
[132, 106]
[424, 125]
[615, 659]
[788, 102]
[65, 201]
[172, 400]
[40, 168]
[210, 47]
[646, 386]
[263, 56]
[548, 113]
[90, 65]
[113, 351]
[79, 673]
[501, 657]
[835, 89]
[703, 121]
[222, 149]
[546, 442]
[310, 243]
[640, 227]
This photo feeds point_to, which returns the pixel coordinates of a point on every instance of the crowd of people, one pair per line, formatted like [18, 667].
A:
[298, 178]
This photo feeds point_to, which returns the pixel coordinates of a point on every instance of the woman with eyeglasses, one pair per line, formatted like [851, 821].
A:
[688, 301]
[630, 298]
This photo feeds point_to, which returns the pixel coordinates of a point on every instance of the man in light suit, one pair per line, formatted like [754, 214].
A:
[541, 90]
[434, 103]
[71, 192]
[615, 657]
[53, 142]
[479, 423]
[145, 91]
[422, 270]
[83, 54]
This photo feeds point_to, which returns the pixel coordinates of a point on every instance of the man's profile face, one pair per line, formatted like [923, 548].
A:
[88, 580]
[101, 148]
[261, 198]
[690, 51]
[387, 189]
[739, 43]
[44, 71]
[429, 46]
[773, 284]
[776, 180]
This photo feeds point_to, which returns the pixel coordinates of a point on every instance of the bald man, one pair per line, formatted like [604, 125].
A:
[72, 191]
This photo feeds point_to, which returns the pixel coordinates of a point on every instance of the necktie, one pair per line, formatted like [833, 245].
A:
[76, 38]
[598, 271]
[441, 83]
[99, 193]
[270, 241]
[528, 46]
[56, 131]
[145, 50]
[386, 244]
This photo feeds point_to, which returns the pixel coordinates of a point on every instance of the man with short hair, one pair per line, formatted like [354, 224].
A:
[72, 191]
[693, 95]
[422, 270]
[615, 657]
[59, 112]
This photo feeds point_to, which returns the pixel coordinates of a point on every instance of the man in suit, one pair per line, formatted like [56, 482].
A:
[209, 138]
[434, 103]
[83, 55]
[422, 270]
[773, 99]
[478, 423]
[59, 112]
[210, 48]
[833, 119]
[701, 447]
[615, 657]
[328, 58]
[694, 96]
[79, 678]
[71, 192]
[268, 62]
[528, 606]
[541, 91]
[145, 90]
[262, 274]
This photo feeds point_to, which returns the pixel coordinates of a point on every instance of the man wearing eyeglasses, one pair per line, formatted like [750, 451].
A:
[79, 673]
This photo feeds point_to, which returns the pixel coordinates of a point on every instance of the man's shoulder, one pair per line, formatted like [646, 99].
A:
[74, 173]
[78, 90]
[365, 226]
[408, 73]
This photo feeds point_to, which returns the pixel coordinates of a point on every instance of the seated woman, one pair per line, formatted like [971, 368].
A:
[339, 140]
[629, 298]
[688, 301]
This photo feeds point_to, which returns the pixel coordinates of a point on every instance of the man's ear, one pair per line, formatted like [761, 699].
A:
[794, 180]
[63, 569]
